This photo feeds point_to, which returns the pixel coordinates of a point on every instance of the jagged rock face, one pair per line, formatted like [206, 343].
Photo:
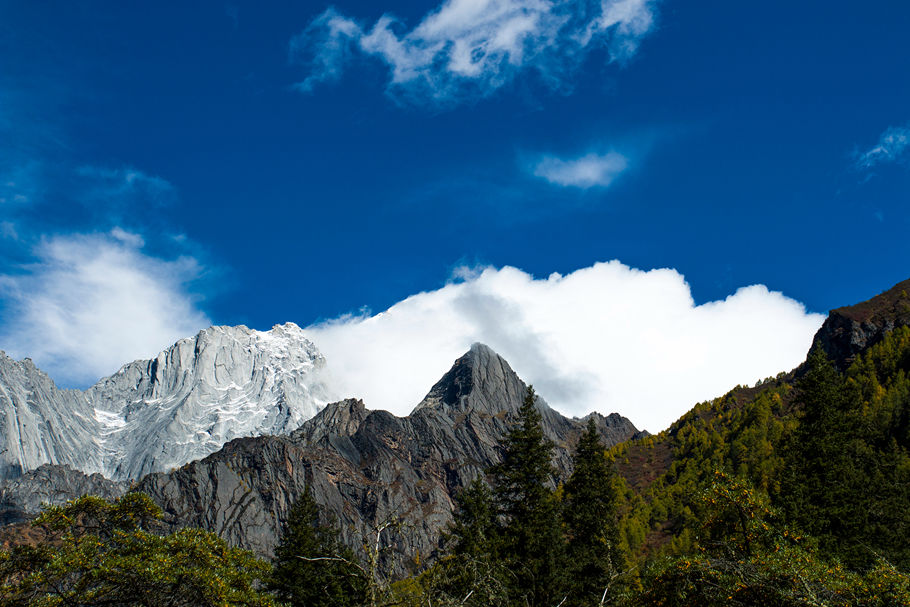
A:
[368, 467]
[21, 498]
[155, 415]
[225, 383]
[850, 330]
[40, 423]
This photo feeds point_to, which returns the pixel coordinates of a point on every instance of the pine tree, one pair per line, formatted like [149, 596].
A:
[845, 479]
[531, 538]
[812, 483]
[474, 527]
[472, 573]
[589, 510]
[311, 566]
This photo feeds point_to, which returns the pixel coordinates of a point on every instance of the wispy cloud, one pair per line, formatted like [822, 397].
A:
[8, 230]
[84, 285]
[19, 184]
[232, 12]
[123, 186]
[470, 48]
[606, 338]
[892, 146]
[588, 171]
[92, 302]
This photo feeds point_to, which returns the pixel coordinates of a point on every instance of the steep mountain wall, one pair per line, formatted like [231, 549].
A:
[155, 415]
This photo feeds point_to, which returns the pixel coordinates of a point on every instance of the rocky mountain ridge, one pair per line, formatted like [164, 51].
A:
[154, 415]
[369, 467]
[365, 467]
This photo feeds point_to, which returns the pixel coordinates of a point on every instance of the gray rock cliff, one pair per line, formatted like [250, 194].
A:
[41, 424]
[850, 330]
[368, 467]
[22, 498]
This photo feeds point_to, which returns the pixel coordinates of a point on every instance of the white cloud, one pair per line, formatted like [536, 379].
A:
[94, 302]
[469, 48]
[131, 239]
[891, 146]
[606, 338]
[584, 172]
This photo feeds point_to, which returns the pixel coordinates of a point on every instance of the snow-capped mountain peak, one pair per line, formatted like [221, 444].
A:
[152, 415]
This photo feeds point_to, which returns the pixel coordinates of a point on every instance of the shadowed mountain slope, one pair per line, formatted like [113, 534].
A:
[368, 467]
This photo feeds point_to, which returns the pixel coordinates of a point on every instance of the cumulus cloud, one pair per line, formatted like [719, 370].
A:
[605, 338]
[584, 172]
[469, 48]
[891, 147]
[92, 302]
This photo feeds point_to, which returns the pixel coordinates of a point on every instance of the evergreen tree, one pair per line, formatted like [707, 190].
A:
[311, 566]
[815, 441]
[531, 537]
[473, 529]
[846, 479]
[590, 498]
[471, 574]
[823, 488]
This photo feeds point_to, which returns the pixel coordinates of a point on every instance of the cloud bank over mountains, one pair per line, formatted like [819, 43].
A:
[470, 48]
[606, 338]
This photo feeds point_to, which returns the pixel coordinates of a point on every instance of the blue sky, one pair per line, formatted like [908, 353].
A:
[259, 163]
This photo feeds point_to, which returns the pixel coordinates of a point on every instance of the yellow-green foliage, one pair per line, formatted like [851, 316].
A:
[755, 434]
[747, 556]
[104, 555]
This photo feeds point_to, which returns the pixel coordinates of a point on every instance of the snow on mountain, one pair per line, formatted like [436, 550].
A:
[158, 414]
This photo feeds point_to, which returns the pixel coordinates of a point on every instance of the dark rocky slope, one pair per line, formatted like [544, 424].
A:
[368, 467]
[852, 329]
[21, 498]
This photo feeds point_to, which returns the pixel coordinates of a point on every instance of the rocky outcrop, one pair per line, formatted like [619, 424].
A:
[850, 330]
[22, 498]
[368, 468]
[155, 415]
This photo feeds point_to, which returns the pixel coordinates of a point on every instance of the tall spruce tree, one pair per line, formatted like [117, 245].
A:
[589, 510]
[846, 475]
[473, 530]
[312, 567]
[532, 544]
[818, 480]
[472, 573]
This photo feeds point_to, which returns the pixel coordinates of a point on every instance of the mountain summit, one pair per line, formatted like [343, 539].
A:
[158, 414]
[367, 467]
